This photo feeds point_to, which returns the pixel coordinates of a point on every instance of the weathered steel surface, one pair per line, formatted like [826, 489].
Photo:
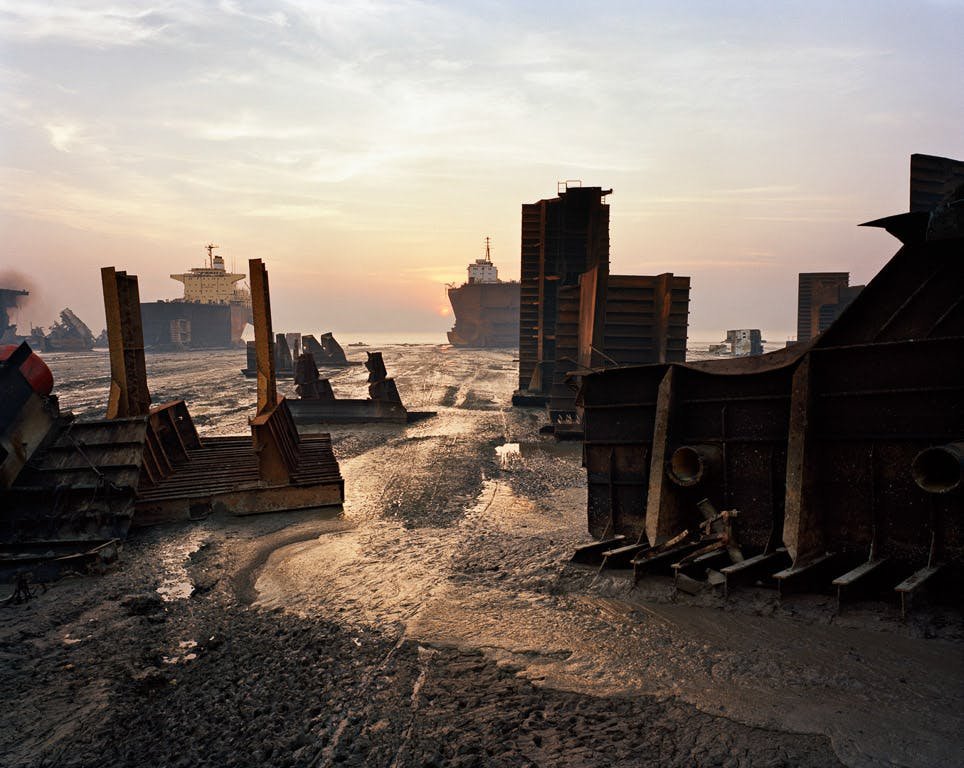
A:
[79, 488]
[129, 395]
[340, 410]
[222, 474]
[561, 238]
[872, 410]
[616, 320]
[532, 227]
[263, 337]
[617, 447]
[326, 351]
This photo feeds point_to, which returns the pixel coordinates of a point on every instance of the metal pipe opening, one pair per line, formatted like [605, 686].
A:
[939, 469]
[691, 464]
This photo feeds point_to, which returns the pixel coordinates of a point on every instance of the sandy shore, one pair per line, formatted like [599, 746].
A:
[436, 620]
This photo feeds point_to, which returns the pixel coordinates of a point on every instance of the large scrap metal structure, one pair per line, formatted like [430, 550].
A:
[837, 462]
[574, 315]
[70, 486]
[69, 333]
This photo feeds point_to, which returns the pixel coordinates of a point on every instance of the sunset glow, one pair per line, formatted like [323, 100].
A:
[364, 150]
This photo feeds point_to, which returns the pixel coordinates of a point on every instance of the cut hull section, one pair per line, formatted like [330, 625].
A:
[486, 315]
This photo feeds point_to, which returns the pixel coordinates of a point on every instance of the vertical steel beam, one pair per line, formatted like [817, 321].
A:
[662, 518]
[802, 526]
[263, 337]
[129, 395]
[663, 307]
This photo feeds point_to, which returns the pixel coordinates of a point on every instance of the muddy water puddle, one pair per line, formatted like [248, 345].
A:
[174, 557]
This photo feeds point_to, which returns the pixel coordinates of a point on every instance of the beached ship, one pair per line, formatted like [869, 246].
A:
[212, 313]
[486, 308]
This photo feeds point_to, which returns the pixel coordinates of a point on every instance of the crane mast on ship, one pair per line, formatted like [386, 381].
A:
[211, 247]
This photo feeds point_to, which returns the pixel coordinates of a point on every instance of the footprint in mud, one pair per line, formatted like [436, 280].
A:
[476, 402]
[448, 399]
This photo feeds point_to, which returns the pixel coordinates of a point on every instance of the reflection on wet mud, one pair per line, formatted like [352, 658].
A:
[507, 453]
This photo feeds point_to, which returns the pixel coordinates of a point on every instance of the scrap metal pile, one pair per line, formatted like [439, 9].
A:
[835, 464]
[71, 488]
[317, 404]
[288, 347]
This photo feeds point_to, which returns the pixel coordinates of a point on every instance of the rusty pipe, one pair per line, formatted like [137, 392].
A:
[940, 468]
[691, 464]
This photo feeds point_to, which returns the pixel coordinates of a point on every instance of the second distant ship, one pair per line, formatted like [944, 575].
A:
[486, 308]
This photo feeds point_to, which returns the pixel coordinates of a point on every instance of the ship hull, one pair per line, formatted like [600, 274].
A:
[486, 315]
[173, 325]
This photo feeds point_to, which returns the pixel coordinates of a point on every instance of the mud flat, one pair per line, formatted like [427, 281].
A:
[436, 620]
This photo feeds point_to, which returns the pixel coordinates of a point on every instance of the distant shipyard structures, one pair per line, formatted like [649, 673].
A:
[288, 348]
[212, 313]
[9, 301]
[68, 334]
[486, 308]
[742, 342]
[821, 297]
[574, 315]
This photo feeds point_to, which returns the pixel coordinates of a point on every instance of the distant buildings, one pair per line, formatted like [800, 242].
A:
[745, 341]
[742, 342]
[821, 297]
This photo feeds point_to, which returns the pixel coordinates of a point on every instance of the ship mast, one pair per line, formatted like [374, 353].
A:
[211, 247]
[488, 258]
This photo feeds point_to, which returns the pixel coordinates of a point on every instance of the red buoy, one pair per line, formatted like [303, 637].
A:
[34, 370]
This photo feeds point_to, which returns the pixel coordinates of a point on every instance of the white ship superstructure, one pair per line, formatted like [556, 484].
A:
[212, 284]
[483, 270]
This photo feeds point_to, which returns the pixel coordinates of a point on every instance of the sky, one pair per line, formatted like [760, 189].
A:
[365, 149]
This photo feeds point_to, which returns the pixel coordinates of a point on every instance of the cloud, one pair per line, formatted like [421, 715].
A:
[62, 137]
[104, 25]
[294, 212]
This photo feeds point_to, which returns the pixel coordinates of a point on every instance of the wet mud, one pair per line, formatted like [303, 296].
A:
[437, 621]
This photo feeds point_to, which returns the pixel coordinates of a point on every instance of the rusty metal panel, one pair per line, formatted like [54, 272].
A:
[129, 395]
[79, 488]
[735, 427]
[562, 394]
[619, 413]
[646, 319]
[572, 237]
[263, 337]
[623, 320]
[532, 226]
[593, 285]
[223, 473]
[873, 408]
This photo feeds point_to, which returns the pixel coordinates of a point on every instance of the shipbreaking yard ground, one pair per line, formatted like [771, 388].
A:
[437, 620]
